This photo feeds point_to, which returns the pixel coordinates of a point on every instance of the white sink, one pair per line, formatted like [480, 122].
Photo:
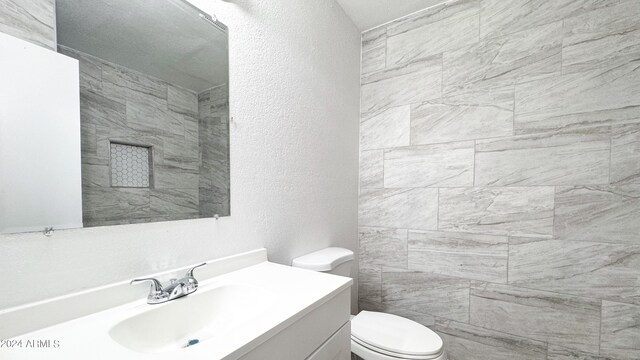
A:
[245, 308]
[204, 316]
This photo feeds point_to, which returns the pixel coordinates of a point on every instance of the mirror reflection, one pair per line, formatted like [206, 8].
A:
[154, 109]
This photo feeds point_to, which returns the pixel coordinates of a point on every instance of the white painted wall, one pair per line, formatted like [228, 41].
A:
[294, 161]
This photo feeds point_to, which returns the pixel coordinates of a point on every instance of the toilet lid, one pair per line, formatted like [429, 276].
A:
[395, 334]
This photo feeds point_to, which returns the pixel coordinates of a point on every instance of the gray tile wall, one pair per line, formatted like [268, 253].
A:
[30, 20]
[122, 105]
[213, 116]
[500, 176]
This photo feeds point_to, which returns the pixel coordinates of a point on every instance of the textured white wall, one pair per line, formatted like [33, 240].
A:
[294, 161]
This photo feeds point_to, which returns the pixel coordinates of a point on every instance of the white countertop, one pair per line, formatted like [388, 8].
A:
[292, 294]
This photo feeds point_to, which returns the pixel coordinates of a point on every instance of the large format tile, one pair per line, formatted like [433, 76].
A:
[122, 84]
[620, 330]
[598, 213]
[182, 100]
[371, 169]
[466, 342]
[152, 116]
[449, 164]
[600, 96]
[602, 37]
[98, 110]
[30, 20]
[369, 283]
[600, 270]
[411, 83]
[431, 294]
[520, 57]
[421, 318]
[439, 122]
[556, 352]
[625, 153]
[389, 128]
[399, 208]
[382, 246]
[518, 211]
[554, 318]
[432, 32]
[471, 256]
[175, 203]
[499, 17]
[580, 156]
[374, 53]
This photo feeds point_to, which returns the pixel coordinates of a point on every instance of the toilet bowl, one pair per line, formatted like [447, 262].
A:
[376, 335]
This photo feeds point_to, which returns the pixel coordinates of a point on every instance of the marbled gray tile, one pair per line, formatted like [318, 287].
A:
[410, 83]
[98, 110]
[439, 122]
[620, 330]
[599, 96]
[108, 204]
[170, 178]
[370, 283]
[389, 128]
[95, 175]
[598, 213]
[421, 318]
[371, 169]
[565, 320]
[431, 294]
[153, 117]
[88, 139]
[470, 256]
[556, 352]
[579, 156]
[466, 342]
[182, 100]
[625, 153]
[518, 211]
[602, 37]
[172, 202]
[524, 56]
[30, 20]
[499, 17]
[600, 270]
[399, 208]
[122, 84]
[382, 246]
[374, 52]
[444, 165]
[432, 32]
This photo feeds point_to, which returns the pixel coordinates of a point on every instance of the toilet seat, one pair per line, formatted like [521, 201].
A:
[380, 336]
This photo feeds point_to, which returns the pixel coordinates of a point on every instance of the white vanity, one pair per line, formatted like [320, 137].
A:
[245, 308]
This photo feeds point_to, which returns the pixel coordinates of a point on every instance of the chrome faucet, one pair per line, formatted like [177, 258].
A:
[177, 288]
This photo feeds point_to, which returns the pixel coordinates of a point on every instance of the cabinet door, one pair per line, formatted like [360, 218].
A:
[338, 347]
[40, 178]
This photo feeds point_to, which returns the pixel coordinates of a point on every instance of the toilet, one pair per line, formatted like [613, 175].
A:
[376, 335]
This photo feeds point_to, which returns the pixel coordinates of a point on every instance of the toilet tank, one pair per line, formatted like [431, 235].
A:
[331, 260]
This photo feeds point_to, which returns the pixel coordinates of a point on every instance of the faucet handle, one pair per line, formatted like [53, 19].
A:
[156, 287]
[190, 272]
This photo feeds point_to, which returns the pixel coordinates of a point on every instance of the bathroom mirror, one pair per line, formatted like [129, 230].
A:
[154, 109]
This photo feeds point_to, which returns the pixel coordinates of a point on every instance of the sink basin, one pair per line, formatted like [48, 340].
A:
[204, 316]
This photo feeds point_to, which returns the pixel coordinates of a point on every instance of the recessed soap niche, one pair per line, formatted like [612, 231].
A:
[131, 166]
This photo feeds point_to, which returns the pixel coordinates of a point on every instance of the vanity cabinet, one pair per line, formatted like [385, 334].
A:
[323, 334]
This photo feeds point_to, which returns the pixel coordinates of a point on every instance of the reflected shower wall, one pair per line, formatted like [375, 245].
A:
[185, 133]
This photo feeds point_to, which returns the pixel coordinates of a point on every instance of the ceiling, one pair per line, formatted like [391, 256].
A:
[165, 39]
[367, 14]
